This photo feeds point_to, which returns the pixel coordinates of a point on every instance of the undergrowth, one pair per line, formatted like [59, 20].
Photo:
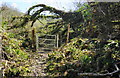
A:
[84, 55]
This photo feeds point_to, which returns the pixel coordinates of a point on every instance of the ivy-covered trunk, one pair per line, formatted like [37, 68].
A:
[105, 15]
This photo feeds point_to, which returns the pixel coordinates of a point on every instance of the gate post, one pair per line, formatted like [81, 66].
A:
[57, 38]
[68, 33]
[36, 42]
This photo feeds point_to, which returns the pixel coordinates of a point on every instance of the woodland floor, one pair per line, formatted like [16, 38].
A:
[38, 64]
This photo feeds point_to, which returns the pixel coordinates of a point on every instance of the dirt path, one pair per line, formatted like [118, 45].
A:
[38, 64]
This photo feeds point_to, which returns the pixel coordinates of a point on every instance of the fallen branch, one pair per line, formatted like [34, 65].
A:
[98, 74]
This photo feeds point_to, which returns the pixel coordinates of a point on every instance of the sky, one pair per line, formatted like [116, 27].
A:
[66, 5]
[23, 5]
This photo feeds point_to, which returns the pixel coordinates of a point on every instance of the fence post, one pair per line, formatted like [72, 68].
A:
[37, 42]
[68, 33]
[57, 40]
[34, 39]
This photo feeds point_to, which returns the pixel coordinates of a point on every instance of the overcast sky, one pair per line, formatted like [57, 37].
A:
[23, 5]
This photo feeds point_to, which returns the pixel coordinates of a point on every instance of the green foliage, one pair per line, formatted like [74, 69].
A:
[97, 54]
[16, 56]
[8, 11]
[86, 11]
[83, 55]
[15, 70]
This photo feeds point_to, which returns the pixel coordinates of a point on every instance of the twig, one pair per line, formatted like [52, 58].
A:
[117, 68]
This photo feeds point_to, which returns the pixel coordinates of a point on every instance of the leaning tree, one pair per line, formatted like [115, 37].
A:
[72, 18]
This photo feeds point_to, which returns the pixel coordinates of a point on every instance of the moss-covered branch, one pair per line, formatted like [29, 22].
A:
[68, 17]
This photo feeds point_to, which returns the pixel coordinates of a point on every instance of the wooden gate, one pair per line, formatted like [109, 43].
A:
[46, 43]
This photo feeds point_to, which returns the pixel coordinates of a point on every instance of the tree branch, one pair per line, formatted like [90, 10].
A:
[98, 74]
